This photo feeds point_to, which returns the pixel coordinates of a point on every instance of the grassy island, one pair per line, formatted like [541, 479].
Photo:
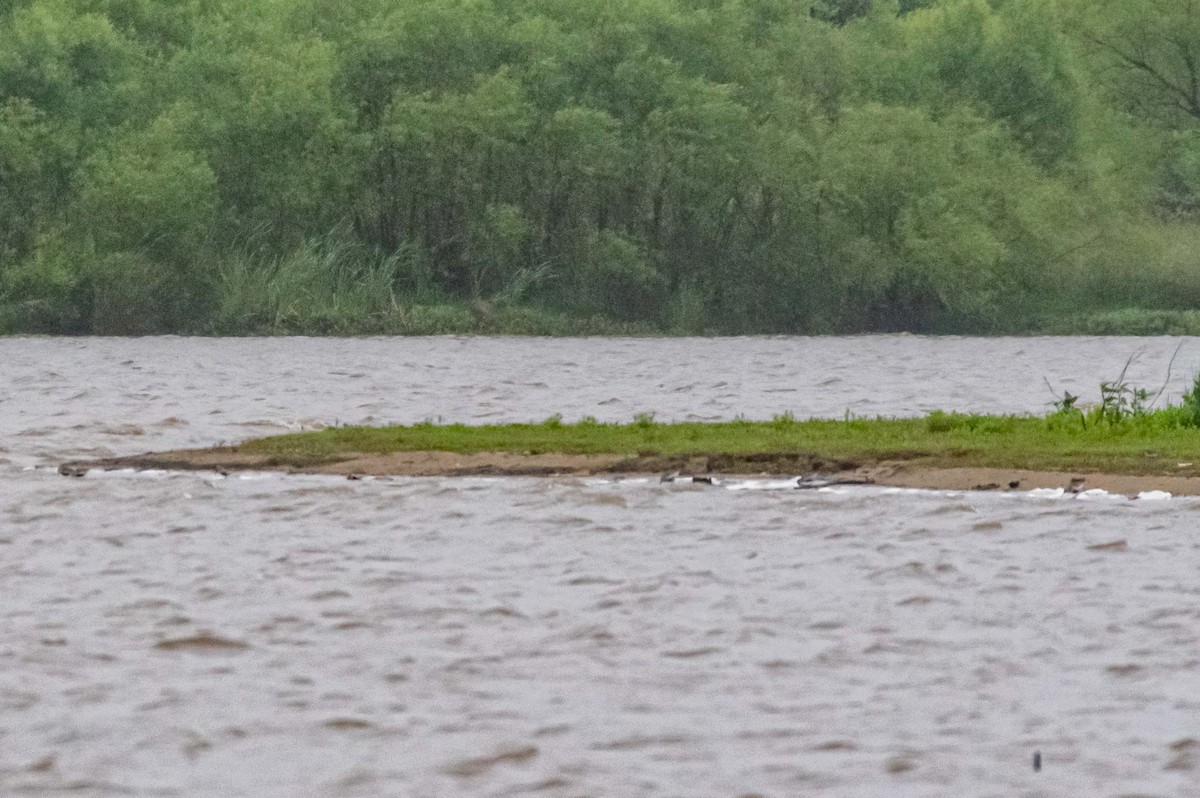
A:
[1119, 444]
[1154, 444]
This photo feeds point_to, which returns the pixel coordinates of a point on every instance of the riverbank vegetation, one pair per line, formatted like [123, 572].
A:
[571, 167]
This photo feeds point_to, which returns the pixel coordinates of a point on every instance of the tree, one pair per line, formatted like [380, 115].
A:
[259, 103]
[146, 205]
[1150, 55]
[841, 12]
[1011, 62]
[24, 140]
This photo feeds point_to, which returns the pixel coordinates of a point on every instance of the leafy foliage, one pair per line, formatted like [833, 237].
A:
[685, 165]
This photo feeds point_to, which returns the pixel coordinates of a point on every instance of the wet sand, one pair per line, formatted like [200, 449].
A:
[451, 464]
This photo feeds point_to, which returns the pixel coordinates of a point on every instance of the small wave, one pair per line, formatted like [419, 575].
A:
[638, 742]
[1116, 545]
[201, 642]
[477, 766]
[693, 653]
[347, 724]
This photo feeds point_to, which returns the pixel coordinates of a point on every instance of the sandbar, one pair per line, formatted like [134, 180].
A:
[900, 474]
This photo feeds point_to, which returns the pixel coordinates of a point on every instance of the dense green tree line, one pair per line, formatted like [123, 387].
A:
[555, 165]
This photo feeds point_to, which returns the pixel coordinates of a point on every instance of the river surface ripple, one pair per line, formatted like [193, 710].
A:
[188, 635]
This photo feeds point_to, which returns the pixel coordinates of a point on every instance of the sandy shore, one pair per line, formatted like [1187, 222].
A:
[437, 463]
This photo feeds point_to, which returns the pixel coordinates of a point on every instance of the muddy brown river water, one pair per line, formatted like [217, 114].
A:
[262, 635]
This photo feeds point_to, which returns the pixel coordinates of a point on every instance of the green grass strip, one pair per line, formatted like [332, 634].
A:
[1156, 442]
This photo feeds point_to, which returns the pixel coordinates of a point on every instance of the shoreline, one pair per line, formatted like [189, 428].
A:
[430, 463]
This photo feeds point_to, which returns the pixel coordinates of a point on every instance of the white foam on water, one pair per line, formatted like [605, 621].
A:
[118, 473]
[764, 484]
[1094, 494]
[1046, 493]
